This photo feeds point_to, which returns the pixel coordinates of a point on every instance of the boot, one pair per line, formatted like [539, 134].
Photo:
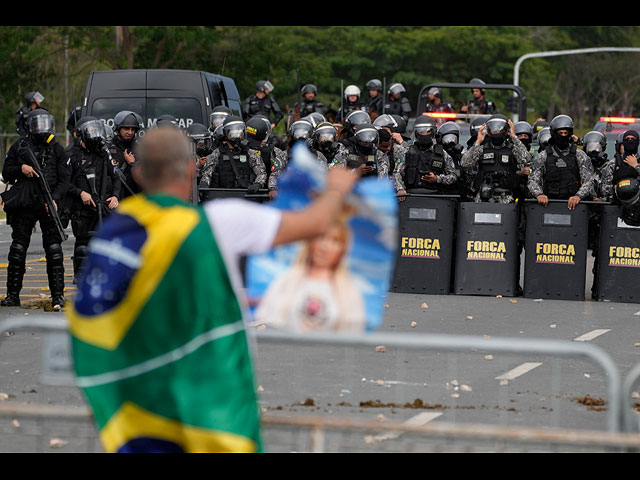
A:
[11, 300]
[15, 274]
[56, 286]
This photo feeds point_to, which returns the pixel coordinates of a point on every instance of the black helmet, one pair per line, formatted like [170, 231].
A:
[448, 133]
[41, 125]
[386, 120]
[402, 125]
[92, 132]
[315, 118]
[33, 97]
[202, 139]
[628, 192]
[300, 130]
[325, 134]
[127, 118]
[257, 130]
[167, 120]
[264, 86]
[374, 84]
[475, 125]
[497, 128]
[544, 136]
[477, 83]
[523, 128]
[218, 115]
[396, 88]
[537, 126]
[233, 129]
[309, 88]
[355, 118]
[424, 129]
[594, 142]
[366, 135]
[561, 122]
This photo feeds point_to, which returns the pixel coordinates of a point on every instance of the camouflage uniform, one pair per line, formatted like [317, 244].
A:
[280, 162]
[536, 178]
[473, 154]
[449, 177]
[606, 184]
[381, 160]
[256, 163]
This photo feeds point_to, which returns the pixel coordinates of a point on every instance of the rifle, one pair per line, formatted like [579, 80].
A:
[47, 193]
[123, 178]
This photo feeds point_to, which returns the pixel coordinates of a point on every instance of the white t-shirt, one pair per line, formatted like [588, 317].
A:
[241, 228]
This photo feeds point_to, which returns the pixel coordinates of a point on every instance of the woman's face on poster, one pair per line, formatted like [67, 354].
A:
[326, 251]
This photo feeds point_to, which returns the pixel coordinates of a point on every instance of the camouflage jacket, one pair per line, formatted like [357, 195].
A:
[448, 178]
[256, 163]
[536, 178]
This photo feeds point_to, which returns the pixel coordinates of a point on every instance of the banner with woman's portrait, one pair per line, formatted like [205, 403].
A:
[337, 282]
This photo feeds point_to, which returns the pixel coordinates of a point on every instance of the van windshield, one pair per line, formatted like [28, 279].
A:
[107, 108]
[186, 110]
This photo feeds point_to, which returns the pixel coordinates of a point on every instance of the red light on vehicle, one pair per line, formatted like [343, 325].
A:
[618, 119]
[441, 115]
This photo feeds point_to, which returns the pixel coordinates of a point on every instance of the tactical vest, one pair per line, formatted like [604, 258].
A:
[622, 170]
[356, 159]
[562, 174]
[421, 162]
[498, 167]
[48, 163]
[234, 169]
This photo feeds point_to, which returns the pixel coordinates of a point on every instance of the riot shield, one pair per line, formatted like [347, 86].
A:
[556, 250]
[618, 258]
[486, 249]
[213, 193]
[425, 248]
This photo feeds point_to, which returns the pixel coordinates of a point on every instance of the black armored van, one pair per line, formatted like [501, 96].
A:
[188, 95]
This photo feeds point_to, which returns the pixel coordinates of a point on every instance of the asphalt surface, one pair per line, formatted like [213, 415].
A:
[369, 383]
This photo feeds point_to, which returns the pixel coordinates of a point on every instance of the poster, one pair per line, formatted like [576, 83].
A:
[338, 282]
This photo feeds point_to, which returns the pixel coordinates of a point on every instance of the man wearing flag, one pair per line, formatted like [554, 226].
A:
[159, 343]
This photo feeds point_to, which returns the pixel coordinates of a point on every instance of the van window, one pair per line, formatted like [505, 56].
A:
[186, 110]
[107, 108]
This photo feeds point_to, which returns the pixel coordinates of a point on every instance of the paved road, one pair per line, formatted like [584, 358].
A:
[375, 383]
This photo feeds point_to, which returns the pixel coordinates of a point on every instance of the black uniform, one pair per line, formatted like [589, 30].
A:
[105, 183]
[266, 106]
[117, 149]
[27, 207]
[399, 107]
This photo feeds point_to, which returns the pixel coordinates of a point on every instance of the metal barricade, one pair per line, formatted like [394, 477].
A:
[425, 253]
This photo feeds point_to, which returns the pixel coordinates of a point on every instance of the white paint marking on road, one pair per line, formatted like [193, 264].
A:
[418, 420]
[520, 370]
[591, 335]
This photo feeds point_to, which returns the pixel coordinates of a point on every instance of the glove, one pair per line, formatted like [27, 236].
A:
[253, 188]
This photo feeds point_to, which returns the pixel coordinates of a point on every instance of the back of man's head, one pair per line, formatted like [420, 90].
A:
[163, 157]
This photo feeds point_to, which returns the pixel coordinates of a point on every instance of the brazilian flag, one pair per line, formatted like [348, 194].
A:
[159, 343]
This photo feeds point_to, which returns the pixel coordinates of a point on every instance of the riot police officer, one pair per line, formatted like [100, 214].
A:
[623, 166]
[94, 189]
[263, 103]
[479, 104]
[127, 125]
[390, 141]
[233, 164]
[352, 120]
[594, 145]
[499, 161]
[361, 153]
[565, 172]
[396, 103]
[258, 129]
[27, 203]
[202, 138]
[427, 167]
[32, 101]
[325, 141]
[309, 102]
[436, 103]
[217, 116]
[351, 102]
[448, 135]
[376, 100]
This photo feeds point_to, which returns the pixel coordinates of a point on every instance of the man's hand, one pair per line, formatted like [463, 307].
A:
[482, 133]
[55, 205]
[430, 177]
[363, 169]
[128, 156]
[203, 161]
[273, 194]
[112, 202]
[632, 161]
[512, 128]
[341, 179]
[573, 202]
[86, 198]
[400, 192]
[543, 200]
[28, 171]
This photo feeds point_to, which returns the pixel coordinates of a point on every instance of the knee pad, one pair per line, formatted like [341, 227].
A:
[17, 253]
[54, 254]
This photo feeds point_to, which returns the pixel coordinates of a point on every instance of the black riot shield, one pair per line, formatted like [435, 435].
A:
[556, 243]
[487, 249]
[618, 258]
[425, 252]
[213, 193]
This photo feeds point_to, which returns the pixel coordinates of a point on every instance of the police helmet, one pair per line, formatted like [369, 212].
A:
[537, 126]
[300, 130]
[435, 91]
[448, 133]
[127, 118]
[201, 136]
[386, 120]
[396, 88]
[264, 86]
[497, 124]
[544, 136]
[374, 84]
[366, 135]
[325, 133]
[218, 115]
[356, 118]
[561, 122]
[628, 192]
[402, 125]
[33, 97]
[351, 90]
[233, 129]
[41, 125]
[167, 120]
[475, 125]
[309, 88]
[315, 118]
[256, 130]
[523, 128]
[594, 142]
[425, 128]
[92, 133]
[477, 83]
